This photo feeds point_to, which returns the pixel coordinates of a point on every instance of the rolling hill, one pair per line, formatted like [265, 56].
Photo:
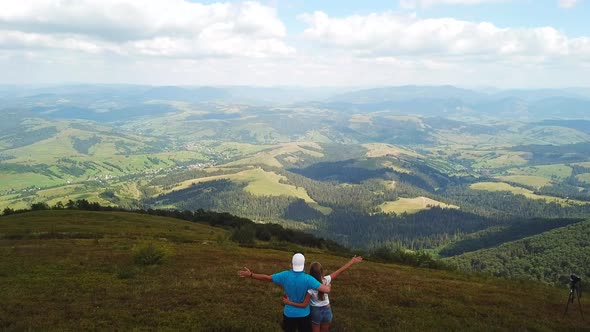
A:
[73, 270]
[542, 256]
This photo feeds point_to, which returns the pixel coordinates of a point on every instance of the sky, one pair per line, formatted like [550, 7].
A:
[469, 43]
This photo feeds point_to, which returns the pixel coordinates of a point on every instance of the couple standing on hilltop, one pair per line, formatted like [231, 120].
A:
[303, 289]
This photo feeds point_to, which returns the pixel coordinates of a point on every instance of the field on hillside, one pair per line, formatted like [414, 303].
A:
[74, 270]
[259, 182]
[527, 180]
[501, 186]
[584, 177]
[549, 172]
[412, 205]
[269, 156]
[504, 159]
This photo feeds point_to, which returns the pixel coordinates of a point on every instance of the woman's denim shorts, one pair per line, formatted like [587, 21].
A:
[321, 315]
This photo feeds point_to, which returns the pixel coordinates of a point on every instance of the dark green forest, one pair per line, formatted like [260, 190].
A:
[550, 256]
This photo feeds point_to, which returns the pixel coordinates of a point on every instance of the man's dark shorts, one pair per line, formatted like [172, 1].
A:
[302, 324]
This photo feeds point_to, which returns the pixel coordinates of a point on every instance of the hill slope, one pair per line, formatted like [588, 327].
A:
[543, 256]
[73, 270]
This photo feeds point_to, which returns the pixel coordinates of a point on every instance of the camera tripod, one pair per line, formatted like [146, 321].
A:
[575, 292]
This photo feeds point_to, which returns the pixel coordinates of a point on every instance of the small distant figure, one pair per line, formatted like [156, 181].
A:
[575, 291]
[321, 312]
[296, 283]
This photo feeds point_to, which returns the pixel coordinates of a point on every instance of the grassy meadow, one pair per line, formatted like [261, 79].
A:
[503, 159]
[260, 183]
[412, 205]
[269, 157]
[550, 172]
[527, 180]
[74, 270]
[501, 186]
[375, 150]
[584, 177]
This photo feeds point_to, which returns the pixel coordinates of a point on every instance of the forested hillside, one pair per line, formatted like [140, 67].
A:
[541, 257]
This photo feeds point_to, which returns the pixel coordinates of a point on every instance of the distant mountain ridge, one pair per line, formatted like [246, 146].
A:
[408, 92]
[452, 101]
[444, 100]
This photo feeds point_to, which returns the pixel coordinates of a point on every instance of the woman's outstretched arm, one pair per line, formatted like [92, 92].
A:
[303, 304]
[246, 273]
[355, 259]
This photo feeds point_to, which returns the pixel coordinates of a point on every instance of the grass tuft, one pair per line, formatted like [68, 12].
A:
[151, 254]
[127, 272]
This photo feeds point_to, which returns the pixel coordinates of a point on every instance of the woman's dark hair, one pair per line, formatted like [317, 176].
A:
[316, 271]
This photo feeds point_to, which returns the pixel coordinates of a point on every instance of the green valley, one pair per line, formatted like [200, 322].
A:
[367, 175]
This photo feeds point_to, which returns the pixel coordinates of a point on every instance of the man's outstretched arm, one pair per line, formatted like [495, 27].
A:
[246, 273]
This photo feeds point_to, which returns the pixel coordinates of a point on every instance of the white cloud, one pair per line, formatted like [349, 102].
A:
[397, 48]
[149, 27]
[182, 42]
[410, 4]
[25, 40]
[413, 4]
[390, 34]
[568, 3]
